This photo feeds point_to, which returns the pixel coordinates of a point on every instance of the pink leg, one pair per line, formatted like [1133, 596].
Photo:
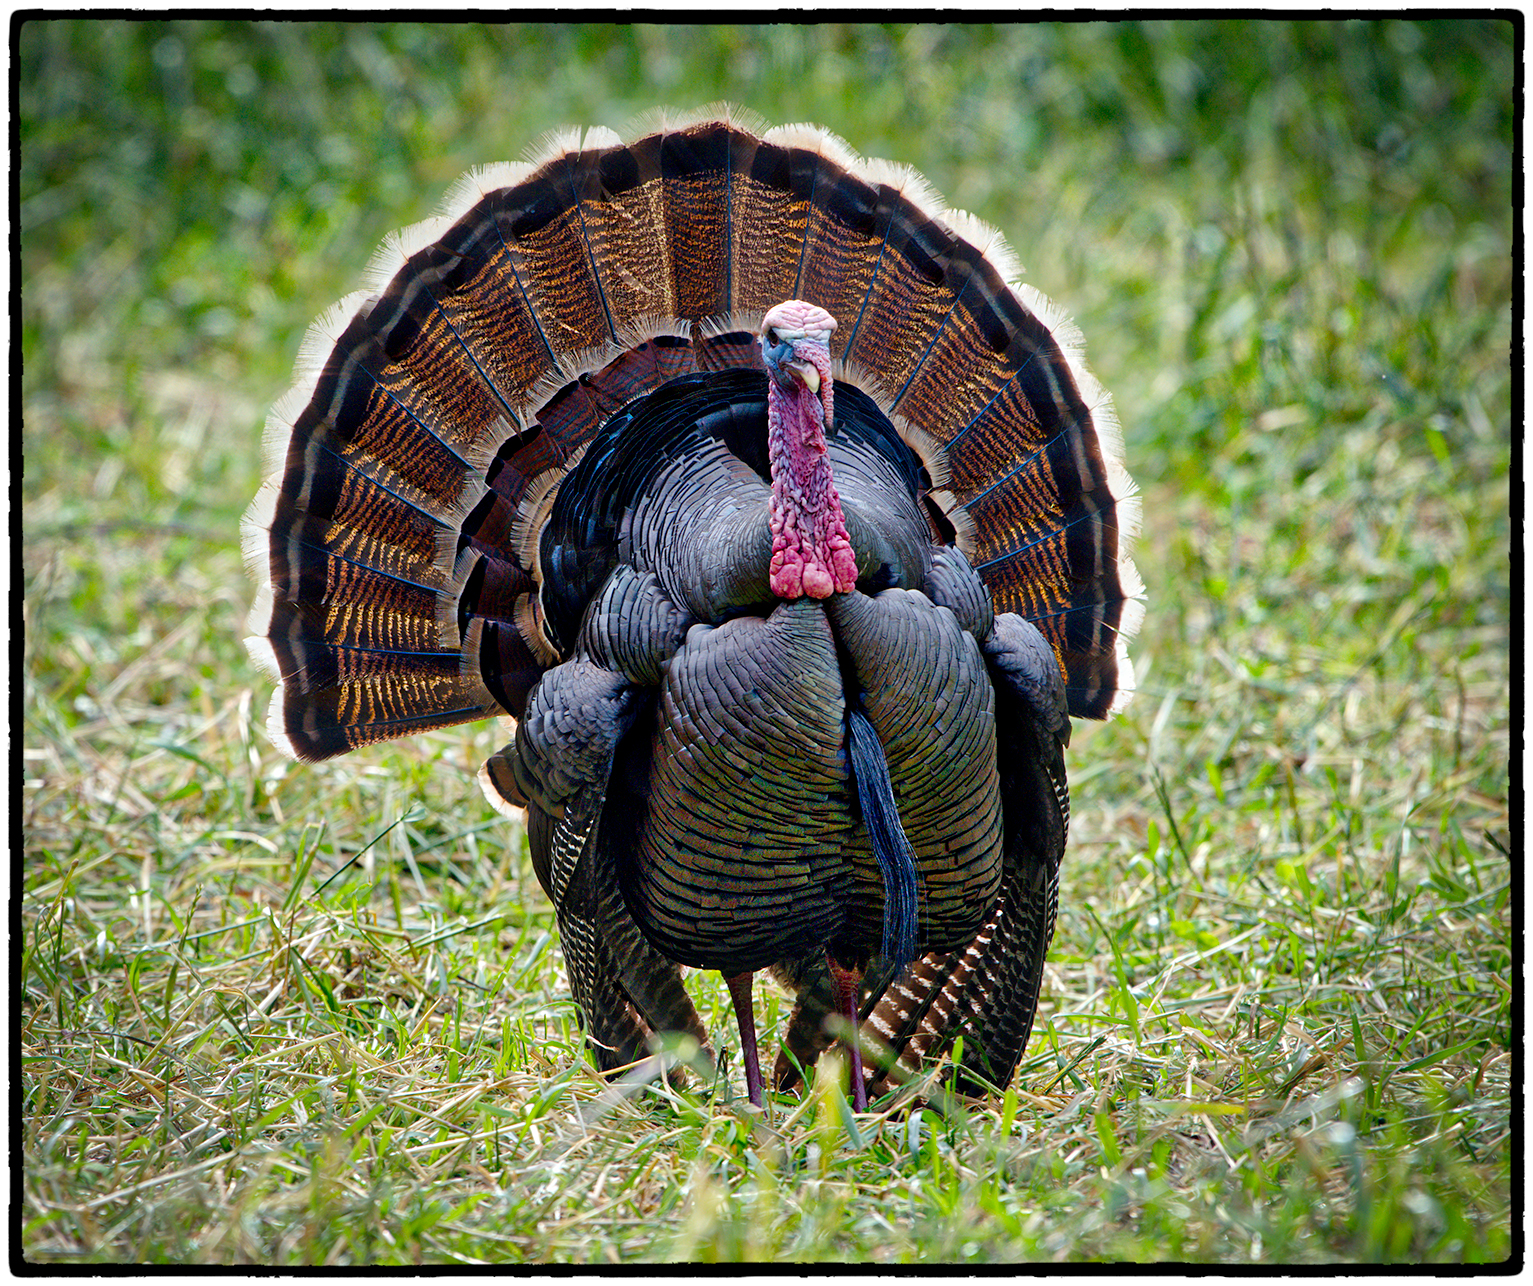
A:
[740, 993]
[847, 983]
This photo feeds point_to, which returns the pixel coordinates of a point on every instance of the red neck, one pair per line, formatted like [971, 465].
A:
[811, 553]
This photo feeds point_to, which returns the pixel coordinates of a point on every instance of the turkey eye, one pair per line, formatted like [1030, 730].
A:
[772, 336]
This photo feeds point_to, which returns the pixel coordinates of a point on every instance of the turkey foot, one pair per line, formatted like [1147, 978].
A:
[740, 993]
[847, 983]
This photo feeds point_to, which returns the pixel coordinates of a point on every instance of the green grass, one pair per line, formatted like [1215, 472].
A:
[308, 1015]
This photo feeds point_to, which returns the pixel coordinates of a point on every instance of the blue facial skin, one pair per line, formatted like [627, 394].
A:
[775, 352]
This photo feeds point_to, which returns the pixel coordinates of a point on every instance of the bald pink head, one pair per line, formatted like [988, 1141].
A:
[811, 552]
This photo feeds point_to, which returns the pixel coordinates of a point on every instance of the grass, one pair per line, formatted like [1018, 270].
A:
[316, 1015]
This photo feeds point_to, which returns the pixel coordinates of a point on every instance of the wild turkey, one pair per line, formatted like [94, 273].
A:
[731, 467]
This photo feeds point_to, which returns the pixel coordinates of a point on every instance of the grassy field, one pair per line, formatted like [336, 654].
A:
[316, 1015]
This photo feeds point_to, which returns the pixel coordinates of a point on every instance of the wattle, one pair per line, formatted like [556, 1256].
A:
[811, 552]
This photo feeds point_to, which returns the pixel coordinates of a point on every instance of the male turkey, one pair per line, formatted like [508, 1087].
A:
[732, 468]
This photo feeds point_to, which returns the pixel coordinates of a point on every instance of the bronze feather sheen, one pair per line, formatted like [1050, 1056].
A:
[524, 473]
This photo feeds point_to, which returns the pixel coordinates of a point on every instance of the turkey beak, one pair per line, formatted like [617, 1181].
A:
[808, 376]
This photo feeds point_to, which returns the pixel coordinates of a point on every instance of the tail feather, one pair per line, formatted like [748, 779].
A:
[770, 195]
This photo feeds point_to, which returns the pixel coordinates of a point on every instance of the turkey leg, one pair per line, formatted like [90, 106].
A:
[745, 1015]
[847, 983]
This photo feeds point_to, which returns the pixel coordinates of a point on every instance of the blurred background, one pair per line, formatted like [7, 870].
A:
[1246, 219]
[1289, 247]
